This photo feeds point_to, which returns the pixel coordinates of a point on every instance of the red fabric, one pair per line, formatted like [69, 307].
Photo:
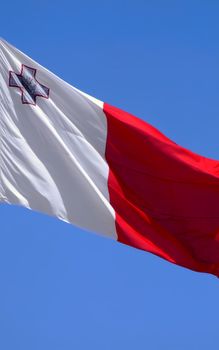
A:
[166, 198]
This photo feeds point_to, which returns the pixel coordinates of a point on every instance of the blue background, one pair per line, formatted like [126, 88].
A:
[61, 287]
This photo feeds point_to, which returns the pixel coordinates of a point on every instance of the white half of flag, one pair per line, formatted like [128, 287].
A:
[53, 151]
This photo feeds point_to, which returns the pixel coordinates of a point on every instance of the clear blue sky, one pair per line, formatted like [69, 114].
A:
[62, 288]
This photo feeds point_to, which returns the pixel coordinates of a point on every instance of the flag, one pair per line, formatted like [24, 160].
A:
[69, 155]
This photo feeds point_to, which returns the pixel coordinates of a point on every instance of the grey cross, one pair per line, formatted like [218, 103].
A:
[29, 86]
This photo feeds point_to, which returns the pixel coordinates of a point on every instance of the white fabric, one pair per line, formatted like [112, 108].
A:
[52, 155]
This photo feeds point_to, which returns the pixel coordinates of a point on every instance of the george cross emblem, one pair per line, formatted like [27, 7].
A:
[29, 86]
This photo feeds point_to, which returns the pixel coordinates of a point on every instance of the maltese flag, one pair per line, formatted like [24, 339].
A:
[67, 154]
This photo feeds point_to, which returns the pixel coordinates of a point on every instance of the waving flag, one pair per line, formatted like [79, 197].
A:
[67, 154]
